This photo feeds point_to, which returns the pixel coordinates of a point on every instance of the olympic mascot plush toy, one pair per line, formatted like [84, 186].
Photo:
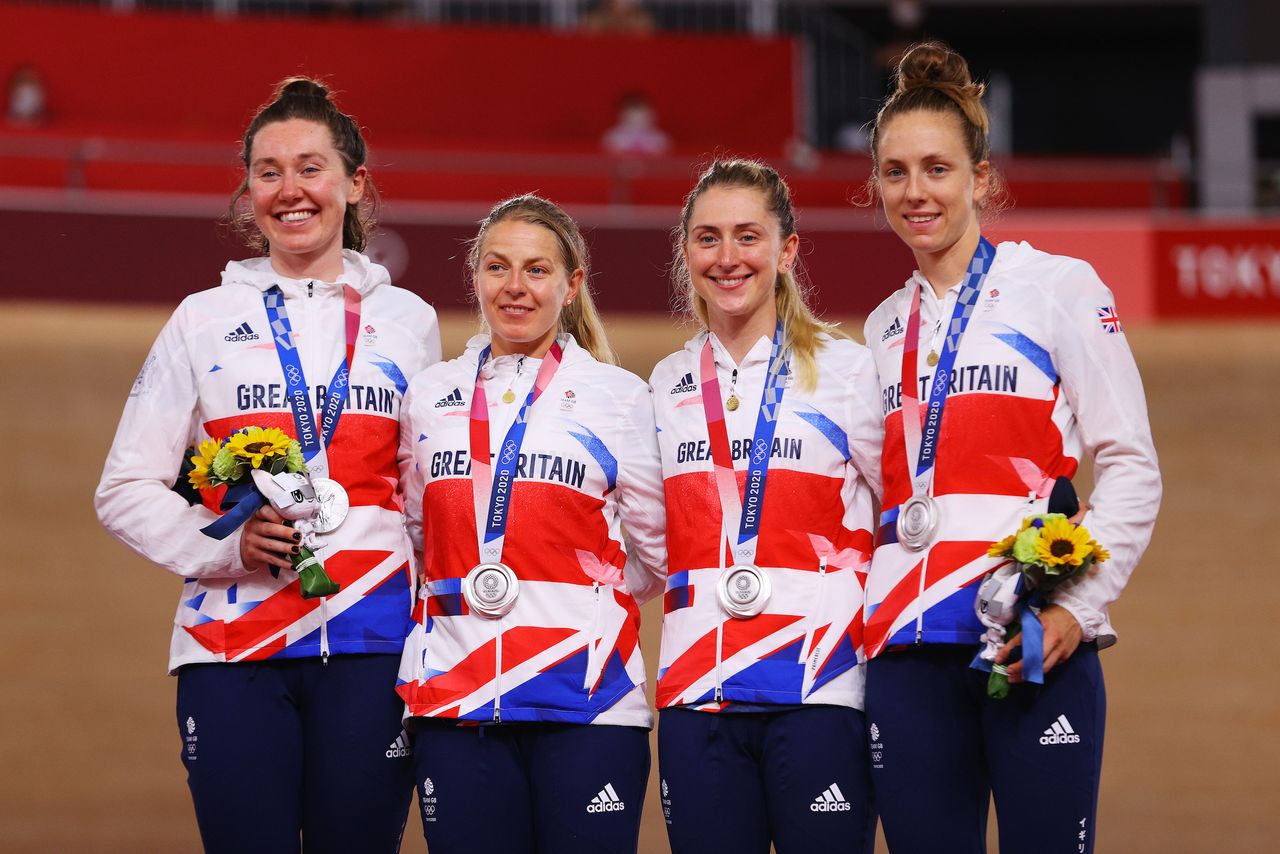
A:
[294, 497]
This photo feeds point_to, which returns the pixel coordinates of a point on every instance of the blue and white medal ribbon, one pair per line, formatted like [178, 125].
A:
[491, 587]
[916, 520]
[744, 589]
[242, 501]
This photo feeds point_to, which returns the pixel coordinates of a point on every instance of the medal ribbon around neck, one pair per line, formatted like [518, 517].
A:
[742, 510]
[491, 482]
[922, 441]
[240, 503]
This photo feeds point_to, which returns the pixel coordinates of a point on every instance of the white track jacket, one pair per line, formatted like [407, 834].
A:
[1043, 376]
[815, 532]
[213, 370]
[569, 650]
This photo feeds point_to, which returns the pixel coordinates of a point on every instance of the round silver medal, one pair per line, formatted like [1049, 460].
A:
[743, 591]
[334, 504]
[917, 522]
[491, 589]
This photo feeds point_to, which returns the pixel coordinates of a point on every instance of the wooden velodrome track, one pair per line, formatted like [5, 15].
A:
[87, 736]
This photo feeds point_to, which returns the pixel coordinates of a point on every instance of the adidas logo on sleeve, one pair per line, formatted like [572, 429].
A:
[686, 384]
[606, 801]
[895, 328]
[1060, 733]
[831, 800]
[241, 333]
[453, 399]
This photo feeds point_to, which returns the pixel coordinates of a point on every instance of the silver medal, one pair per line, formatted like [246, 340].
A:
[743, 590]
[917, 522]
[490, 590]
[334, 504]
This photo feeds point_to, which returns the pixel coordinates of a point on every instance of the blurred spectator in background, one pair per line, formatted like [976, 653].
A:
[907, 17]
[27, 106]
[636, 132]
[619, 16]
[853, 136]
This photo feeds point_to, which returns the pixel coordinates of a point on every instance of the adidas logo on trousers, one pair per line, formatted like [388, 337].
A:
[1060, 733]
[832, 800]
[606, 801]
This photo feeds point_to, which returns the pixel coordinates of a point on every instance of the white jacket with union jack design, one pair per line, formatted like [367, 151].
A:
[815, 532]
[1043, 376]
[213, 370]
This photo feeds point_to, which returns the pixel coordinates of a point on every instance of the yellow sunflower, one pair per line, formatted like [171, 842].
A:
[256, 444]
[203, 458]
[1002, 548]
[1099, 553]
[1062, 543]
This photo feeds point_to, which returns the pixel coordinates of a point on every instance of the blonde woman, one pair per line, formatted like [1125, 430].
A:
[524, 459]
[769, 428]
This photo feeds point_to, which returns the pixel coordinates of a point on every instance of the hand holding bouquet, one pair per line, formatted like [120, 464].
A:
[1046, 551]
[260, 465]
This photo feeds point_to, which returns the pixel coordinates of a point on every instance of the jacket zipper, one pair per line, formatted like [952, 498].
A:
[497, 678]
[324, 630]
[324, 600]
[593, 648]
[724, 539]
[924, 563]
[814, 618]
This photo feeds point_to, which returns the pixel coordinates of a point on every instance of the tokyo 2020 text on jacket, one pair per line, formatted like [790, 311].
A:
[569, 650]
[1043, 376]
[814, 542]
[213, 370]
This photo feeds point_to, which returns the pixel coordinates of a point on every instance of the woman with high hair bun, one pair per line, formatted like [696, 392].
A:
[290, 726]
[525, 459]
[770, 433]
[1036, 374]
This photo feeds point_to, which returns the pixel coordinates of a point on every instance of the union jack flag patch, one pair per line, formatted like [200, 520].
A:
[1109, 319]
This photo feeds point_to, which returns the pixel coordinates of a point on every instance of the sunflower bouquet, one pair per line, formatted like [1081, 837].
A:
[258, 465]
[1046, 551]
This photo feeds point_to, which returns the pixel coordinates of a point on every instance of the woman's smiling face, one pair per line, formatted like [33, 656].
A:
[300, 189]
[735, 252]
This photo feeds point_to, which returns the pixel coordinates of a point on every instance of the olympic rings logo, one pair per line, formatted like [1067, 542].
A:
[761, 452]
[341, 381]
[509, 452]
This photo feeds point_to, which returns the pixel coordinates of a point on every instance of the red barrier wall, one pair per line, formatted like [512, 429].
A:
[159, 258]
[1118, 245]
[1219, 268]
[155, 249]
[474, 88]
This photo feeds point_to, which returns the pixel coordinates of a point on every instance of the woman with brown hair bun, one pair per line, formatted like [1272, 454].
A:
[1027, 371]
[289, 722]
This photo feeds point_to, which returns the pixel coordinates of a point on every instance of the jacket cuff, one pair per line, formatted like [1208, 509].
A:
[237, 568]
[1091, 620]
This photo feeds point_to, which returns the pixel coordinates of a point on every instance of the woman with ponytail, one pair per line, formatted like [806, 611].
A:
[769, 429]
[1038, 375]
[290, 727]
[525, 460]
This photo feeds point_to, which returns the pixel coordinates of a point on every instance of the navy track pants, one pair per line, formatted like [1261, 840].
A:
[940, 748]
[295, 753]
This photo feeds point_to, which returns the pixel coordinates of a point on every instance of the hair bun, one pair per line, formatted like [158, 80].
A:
[302, 87]
[932, 65]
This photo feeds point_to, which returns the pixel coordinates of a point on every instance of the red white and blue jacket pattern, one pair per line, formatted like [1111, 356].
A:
[214, 369]
[569, 650]
[1043, 376]
[815, 532]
